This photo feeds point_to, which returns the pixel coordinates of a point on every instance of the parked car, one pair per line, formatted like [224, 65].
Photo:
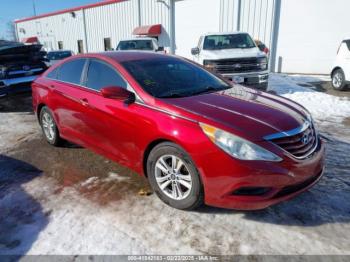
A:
[235, 56]
[262, 47]
[195, 136]
[19, 65]
[56, 56]
[341, 68]
[140, 43]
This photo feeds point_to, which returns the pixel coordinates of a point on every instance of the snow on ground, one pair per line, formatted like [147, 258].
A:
[38, 216]
[19, 125]
[323, 107]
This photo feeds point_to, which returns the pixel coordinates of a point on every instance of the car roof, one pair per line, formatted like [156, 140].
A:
[59, 51]
[138, 38]
[122, 56]
[224, 33]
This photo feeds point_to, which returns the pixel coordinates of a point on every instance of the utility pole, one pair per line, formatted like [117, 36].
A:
[34, 8]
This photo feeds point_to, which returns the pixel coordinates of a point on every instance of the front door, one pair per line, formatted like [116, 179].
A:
[110, 122]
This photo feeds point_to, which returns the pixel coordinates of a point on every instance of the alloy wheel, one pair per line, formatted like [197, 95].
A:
[337, 80]
[48, 125]
[173, 177]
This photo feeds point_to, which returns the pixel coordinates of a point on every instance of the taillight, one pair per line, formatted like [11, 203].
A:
[266, 50]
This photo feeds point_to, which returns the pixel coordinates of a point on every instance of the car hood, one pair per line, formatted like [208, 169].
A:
[245, 112]
[231, 53]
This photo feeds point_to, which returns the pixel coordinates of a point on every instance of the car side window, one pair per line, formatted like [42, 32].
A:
[53, 74]
[347, 42]
[71, 71]
[102, 75]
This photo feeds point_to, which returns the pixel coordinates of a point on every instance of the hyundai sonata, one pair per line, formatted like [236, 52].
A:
[195, 136]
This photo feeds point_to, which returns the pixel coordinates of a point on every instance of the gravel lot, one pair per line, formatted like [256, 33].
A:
[69, 200]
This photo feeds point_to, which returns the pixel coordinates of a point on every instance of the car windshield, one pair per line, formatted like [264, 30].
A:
[168, 77]
[347, 42]
[216, 42]
[135, 45]
[58, 55]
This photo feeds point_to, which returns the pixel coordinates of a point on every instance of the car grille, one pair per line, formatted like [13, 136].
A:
[24, 70]
[240, 65]
[23, 73]
[300, 145]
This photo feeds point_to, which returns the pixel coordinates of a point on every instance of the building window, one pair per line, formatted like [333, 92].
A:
[107, 44]
[60, 45]
[80, 47]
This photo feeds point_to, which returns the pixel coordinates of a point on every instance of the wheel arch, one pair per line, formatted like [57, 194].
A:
[335, 69]
[38, 110]
[149, 149]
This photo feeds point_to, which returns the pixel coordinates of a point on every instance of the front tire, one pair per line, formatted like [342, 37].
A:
[338, 80]
[174, 177]
[49, 127]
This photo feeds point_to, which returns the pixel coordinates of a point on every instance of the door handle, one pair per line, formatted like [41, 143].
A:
[84, 102]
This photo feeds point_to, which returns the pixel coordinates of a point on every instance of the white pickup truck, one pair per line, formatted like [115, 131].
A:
[235, 56]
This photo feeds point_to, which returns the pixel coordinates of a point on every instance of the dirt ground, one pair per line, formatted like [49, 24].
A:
[68, 200]
[326, 87]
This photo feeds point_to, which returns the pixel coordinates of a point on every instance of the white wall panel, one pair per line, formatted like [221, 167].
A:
[115, 21]
[229, 12]
[257, 19]
[310, 33]
[192, 19]
[50, 30]
[157, 12]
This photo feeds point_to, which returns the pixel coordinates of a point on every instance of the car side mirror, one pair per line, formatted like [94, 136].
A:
[195, 51]
[160, 49]
[118, 93]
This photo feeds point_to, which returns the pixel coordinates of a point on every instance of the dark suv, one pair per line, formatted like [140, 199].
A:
[19, 66]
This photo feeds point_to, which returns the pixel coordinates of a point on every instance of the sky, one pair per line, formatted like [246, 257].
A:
[15, 9]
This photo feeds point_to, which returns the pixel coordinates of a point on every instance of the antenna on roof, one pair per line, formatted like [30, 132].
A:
[34, 8]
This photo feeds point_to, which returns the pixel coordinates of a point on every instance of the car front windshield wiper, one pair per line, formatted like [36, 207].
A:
[208, 89]
[172, 95]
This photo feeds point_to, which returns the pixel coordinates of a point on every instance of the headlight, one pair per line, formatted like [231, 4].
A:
[236, 146]
[263, 63]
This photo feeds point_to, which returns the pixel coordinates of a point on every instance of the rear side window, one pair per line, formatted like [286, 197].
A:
[102, 75]
[71, 71]
[53, 74]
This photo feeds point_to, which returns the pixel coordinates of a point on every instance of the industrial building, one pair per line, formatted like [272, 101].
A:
[303, 35]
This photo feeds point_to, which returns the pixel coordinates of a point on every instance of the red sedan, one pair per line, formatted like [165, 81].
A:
[195, 136]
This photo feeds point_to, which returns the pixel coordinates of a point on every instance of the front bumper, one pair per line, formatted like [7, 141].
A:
[283, 180]
[257, 79]
[14, 85]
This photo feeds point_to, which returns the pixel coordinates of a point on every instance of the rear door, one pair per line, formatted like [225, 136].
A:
[67, 102]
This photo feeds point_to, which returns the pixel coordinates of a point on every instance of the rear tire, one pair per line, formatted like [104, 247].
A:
[174, 177]
[338, 80]
[49, 127]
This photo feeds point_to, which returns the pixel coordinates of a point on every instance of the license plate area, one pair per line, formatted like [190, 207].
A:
[238, 79]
